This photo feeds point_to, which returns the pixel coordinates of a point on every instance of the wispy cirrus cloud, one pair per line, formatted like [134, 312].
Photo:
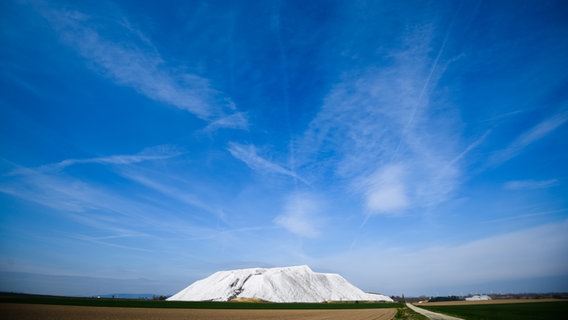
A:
[539, 131]
[530, 184]
[301, 215]
[173, 188]
[155, 153]
[149, 154]
[129, 58]
[104, 208]
[237, 120]
[385, 190]
[535, 252]
[391, 139]
[249, 155]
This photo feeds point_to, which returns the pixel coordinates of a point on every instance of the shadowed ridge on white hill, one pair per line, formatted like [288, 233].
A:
[287, 284]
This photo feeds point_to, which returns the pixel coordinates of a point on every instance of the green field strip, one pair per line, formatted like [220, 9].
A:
[506, 311]
[130, 303]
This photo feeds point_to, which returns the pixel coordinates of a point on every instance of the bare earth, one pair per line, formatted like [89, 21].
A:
[9, 311]
[498, 301]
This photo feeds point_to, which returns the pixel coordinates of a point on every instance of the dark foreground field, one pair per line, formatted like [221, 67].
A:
[500, 310]
[9, 311]
[61, 308]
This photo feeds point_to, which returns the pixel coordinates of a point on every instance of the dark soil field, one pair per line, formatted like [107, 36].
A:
[17, 311]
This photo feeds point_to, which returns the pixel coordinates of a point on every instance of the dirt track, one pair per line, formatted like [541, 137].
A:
[431, 315]
[10, 311]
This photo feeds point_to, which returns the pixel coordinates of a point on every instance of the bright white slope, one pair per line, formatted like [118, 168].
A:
[288, 284]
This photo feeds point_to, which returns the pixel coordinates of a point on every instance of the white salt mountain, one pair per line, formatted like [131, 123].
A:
[288, 284]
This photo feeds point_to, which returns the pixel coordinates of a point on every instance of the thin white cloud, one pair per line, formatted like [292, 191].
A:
[301, 215]
[385, 190]
[149, 154]
[170, 189]
[531, 253]
[532, 135]
[525, 216]
[530, 184]
[99, 207]
[385, 118]
[162, 152]
[106, 241]
[469, 148]
[236, 120]
[135, 62]
[249, 155]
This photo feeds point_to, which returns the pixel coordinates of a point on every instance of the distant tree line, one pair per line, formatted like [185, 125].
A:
[494, 296]
[448, 298]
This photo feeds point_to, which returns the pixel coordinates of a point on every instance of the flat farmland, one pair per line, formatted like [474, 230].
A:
[497, 301]
[18, 311]
[541, 309]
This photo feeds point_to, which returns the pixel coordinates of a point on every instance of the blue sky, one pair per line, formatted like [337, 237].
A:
[412, 147]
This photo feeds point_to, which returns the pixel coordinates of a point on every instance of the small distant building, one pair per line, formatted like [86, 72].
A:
[478, 297]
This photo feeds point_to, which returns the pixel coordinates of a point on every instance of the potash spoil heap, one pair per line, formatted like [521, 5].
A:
[288, 284]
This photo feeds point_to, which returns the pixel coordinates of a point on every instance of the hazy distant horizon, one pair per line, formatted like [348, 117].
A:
[412, 147]
[80, 286]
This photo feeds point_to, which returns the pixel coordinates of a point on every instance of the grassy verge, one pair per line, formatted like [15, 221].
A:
[405, 313]
[129, 303]
[517, 311]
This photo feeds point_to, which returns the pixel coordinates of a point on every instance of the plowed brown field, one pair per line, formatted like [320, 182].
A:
[9, 311]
